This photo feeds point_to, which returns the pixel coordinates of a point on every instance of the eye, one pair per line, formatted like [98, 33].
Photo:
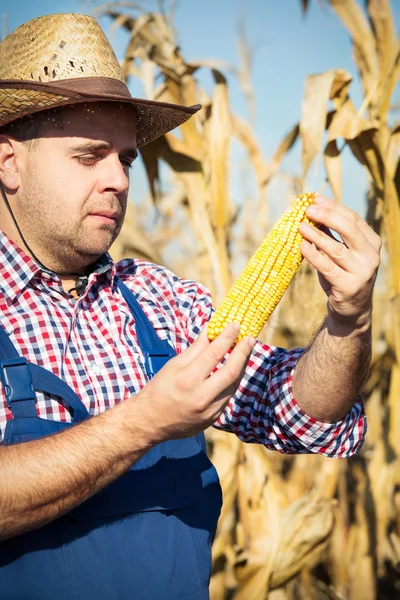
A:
[89, 161]
[127, 162]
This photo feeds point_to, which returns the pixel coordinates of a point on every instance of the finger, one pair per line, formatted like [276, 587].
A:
[369, 261]
[331, 247]
[228, 377]
[372, 237]
[210, 356]
[323, 263]
[348, 230]
[330, 234]
[222, 399]
[200, 343]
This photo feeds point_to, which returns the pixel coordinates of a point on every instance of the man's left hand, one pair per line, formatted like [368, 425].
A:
[347, 269]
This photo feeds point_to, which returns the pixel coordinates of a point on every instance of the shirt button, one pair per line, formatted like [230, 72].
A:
[45, 275]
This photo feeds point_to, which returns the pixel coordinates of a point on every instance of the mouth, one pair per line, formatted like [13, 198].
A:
[108, 217]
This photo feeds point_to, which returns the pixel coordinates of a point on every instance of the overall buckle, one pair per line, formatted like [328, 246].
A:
[154, 361]
[17, 380]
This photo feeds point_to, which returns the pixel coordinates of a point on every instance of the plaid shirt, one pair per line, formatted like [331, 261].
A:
[91, 344]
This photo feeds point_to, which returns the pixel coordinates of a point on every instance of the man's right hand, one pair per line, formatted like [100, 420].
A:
[183, 399]
[45, 478]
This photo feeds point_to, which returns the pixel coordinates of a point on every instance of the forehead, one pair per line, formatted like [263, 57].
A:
[112, 121]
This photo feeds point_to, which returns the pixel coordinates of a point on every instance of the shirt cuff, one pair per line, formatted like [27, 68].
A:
[340, 439]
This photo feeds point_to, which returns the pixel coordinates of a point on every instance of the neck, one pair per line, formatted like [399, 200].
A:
[75, 286]
[69, 285]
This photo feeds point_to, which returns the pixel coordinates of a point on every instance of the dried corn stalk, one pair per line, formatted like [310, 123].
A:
[366, 533]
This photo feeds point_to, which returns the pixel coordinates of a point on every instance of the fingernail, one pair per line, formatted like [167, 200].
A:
[251, 342]
[312, 211]
[235, 327]
[305, 227]
[319, 200]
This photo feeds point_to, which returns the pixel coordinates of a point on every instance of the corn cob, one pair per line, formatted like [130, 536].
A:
[257, 291]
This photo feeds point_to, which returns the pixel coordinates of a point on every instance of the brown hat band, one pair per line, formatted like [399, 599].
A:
[90, 87]
[76, 87]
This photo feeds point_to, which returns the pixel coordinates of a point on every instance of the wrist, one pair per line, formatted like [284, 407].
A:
[135, 424]
[345, 325]
[145, 419]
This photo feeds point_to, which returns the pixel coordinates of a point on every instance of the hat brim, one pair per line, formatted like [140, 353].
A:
[19, 98]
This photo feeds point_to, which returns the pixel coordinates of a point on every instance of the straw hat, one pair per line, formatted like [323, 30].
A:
[66, 59]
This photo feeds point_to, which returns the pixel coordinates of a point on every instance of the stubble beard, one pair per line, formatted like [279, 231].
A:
[56, 241]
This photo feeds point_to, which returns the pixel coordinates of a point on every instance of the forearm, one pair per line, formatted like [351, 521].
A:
[44, 479]
[331, 372]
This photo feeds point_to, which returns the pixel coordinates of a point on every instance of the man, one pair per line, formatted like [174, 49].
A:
[106, 490]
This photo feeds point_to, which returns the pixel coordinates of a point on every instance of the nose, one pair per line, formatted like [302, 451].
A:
[114, 177]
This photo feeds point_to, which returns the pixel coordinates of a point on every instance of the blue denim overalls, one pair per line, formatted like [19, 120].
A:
[147, 536]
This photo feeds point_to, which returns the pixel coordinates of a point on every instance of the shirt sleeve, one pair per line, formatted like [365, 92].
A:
[263, 409]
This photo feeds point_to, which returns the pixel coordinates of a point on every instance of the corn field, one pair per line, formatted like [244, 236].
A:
[292, 527]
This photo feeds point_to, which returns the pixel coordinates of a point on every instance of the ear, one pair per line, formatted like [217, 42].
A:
[9, 173]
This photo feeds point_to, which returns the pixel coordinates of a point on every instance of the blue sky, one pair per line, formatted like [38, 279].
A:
[291, 47]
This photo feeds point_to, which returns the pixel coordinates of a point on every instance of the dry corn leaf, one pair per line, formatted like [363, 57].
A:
[296, 541]
[390, 83]
[279, 541]
[219, 132]
[347, 124]
[382, 22]
[184, 149]
[340, 87]
[365, 149]
[361, 567]
[245, 134]
[393, 404]
[392, 235]
[197, 194]
[395, 542]
[392, 155]
[150, 156]
[246, 59]
[147, 76]
[261, 500]
[307, 525]
[284, 147]
[365, 54]
[381, 473]
[184, 92]
[188, 173]
[169, 203]
[333, 166]
[313, 115]
[225, 457]
[133, 242]
[360, 135]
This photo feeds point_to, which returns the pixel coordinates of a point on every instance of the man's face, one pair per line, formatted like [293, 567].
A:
[74, 184]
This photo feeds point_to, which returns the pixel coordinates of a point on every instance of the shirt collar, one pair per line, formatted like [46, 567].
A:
[17, 268]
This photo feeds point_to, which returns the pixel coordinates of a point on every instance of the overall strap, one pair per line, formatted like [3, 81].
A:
[156, 352]
[21, 379]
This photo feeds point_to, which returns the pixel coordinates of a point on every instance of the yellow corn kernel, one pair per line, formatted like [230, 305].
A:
[257, 291]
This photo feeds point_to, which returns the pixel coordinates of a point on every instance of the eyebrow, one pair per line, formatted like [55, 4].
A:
[95, 147]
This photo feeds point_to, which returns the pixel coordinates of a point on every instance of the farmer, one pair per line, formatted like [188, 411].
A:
[105, 489]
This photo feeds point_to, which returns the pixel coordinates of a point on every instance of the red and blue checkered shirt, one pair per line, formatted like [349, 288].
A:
[91, 344]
